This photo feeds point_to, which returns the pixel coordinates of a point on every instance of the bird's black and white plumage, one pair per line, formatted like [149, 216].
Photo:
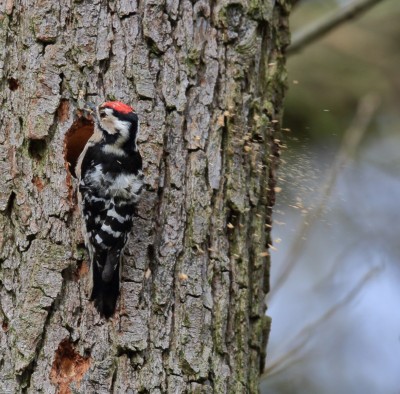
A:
[110, 181]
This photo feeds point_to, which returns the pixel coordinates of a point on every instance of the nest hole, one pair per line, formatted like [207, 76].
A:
[75, 141]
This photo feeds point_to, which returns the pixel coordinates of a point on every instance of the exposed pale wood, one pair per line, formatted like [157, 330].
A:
[206, 79]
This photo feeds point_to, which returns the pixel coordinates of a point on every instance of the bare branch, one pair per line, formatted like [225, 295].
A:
[319, 28]
[301, 339]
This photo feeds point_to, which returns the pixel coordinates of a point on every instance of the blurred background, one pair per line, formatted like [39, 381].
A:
[335, 287]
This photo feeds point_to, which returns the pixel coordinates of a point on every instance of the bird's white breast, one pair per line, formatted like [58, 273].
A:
[125, 186]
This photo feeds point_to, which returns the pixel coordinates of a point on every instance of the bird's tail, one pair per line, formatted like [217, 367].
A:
[106, 277]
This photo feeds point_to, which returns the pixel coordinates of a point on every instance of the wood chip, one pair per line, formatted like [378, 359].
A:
[182, 277]
[147, 273]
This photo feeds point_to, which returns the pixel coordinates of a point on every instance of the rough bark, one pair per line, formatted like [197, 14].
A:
[207, 81]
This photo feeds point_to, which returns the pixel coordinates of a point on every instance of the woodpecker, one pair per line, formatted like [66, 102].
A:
[110, 176]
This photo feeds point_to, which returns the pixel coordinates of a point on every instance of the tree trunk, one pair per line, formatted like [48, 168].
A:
[207, 81]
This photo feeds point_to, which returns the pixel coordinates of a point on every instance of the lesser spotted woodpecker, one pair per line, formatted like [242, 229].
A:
[110, 176]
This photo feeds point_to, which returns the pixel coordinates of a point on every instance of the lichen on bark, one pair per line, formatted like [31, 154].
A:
[207, 80]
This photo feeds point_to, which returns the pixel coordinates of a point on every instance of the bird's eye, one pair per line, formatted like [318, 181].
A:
[103, 115]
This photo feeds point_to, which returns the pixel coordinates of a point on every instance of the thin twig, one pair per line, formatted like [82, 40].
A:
[301, 339]
[352, 138]
[336, 265]
[318, 29]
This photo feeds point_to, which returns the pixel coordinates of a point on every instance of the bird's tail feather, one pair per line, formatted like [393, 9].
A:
[105, 292]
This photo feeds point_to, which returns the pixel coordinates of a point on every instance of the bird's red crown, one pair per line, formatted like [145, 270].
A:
[117, 106]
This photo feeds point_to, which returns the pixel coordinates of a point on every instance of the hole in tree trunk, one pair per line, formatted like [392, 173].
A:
[13, 84]
[37, 148]
[75, 140]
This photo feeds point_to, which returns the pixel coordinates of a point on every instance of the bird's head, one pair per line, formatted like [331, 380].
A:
[118, 123]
